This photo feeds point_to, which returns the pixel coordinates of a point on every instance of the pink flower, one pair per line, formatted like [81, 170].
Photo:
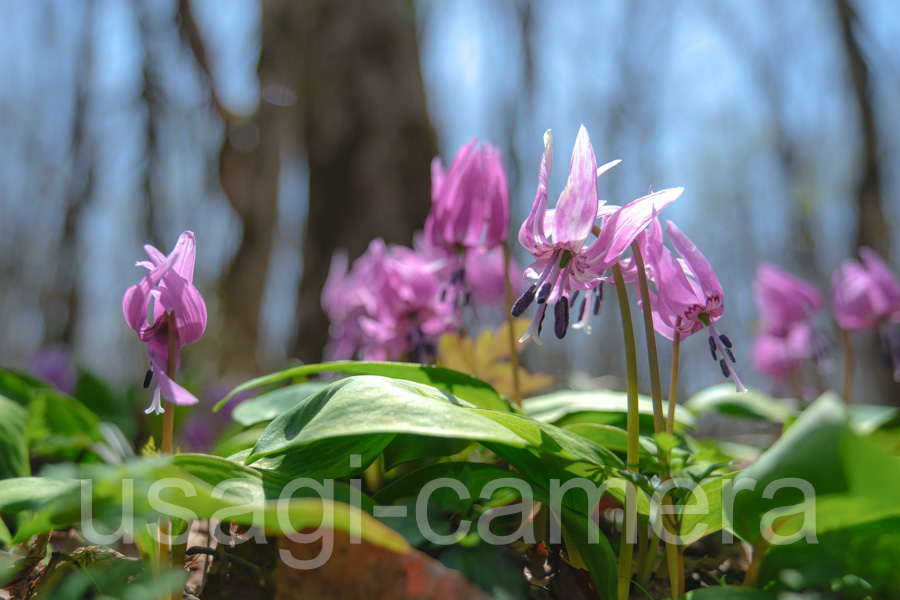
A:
[865, 295]
[688, 297]
[556, 238]
[469, 213]
[386, 306]
[787, 338]
[166, 298]
[470, 200]
[783, 299]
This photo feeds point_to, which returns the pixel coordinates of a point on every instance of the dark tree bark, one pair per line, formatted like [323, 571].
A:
[361, 116]
[368, 139]
[871, 231]
[249, 165]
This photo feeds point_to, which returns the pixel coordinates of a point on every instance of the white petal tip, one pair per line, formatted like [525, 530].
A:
[604, 168]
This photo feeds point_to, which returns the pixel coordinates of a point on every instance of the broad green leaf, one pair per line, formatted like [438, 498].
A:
[602, 407]
[65, 508]
[247, 482]
[406, 447]
[268, 406]
[60, 426]
[28, 493]
[554, 440]
[5, 536]
[13, 444]
[479, 393]
[237, 442]
[809, 454]
[724, 400]
[598, 557]
[713, 518]
[19, 386]
[866, 418]
[329, 458]
[367, 405]
[473, 476]
[853, 562]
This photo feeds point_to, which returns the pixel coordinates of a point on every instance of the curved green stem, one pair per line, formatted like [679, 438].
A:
[632, 420]
[626, 545]
[673, 381]
[659, 422]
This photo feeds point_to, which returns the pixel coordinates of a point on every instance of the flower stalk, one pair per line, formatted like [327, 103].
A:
[847, 377]
[673, 379]
[659, 422]
[626, 546]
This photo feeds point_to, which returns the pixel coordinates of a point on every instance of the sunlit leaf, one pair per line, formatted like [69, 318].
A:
[479, 393]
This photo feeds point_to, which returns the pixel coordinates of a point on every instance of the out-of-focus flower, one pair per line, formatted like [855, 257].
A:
[866, 297]
[386, 306]
[470, 200]
[783, 299]
[477, 274]
[689, 297]
[866, 294]
[166, 298]
[787, 338]
[55, 365]
[469, 215]
[556, 237]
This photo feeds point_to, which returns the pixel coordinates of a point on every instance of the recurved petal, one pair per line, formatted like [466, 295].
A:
[136, 300]
[185, 301]
[170, 390]
[532, 234]
[624, 225]
[156, 257]
[695, 260]
[576, 209]
[185, 253]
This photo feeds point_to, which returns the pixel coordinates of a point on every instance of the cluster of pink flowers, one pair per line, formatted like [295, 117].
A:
[395, 301]
[686, 295]
[865, 296]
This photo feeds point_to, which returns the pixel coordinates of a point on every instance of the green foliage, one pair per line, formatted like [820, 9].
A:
[268, 406]
[54, 503]
[13, 444]
[376, 408]
[597, 407]
[479, 393]
[724, 400]
[58, 427]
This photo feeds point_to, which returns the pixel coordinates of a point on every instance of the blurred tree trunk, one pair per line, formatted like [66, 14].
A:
[871, 230]
[368, 140]
[874, 382]
[249, 166]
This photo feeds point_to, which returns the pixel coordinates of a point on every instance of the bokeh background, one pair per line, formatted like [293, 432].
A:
[280, 130]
